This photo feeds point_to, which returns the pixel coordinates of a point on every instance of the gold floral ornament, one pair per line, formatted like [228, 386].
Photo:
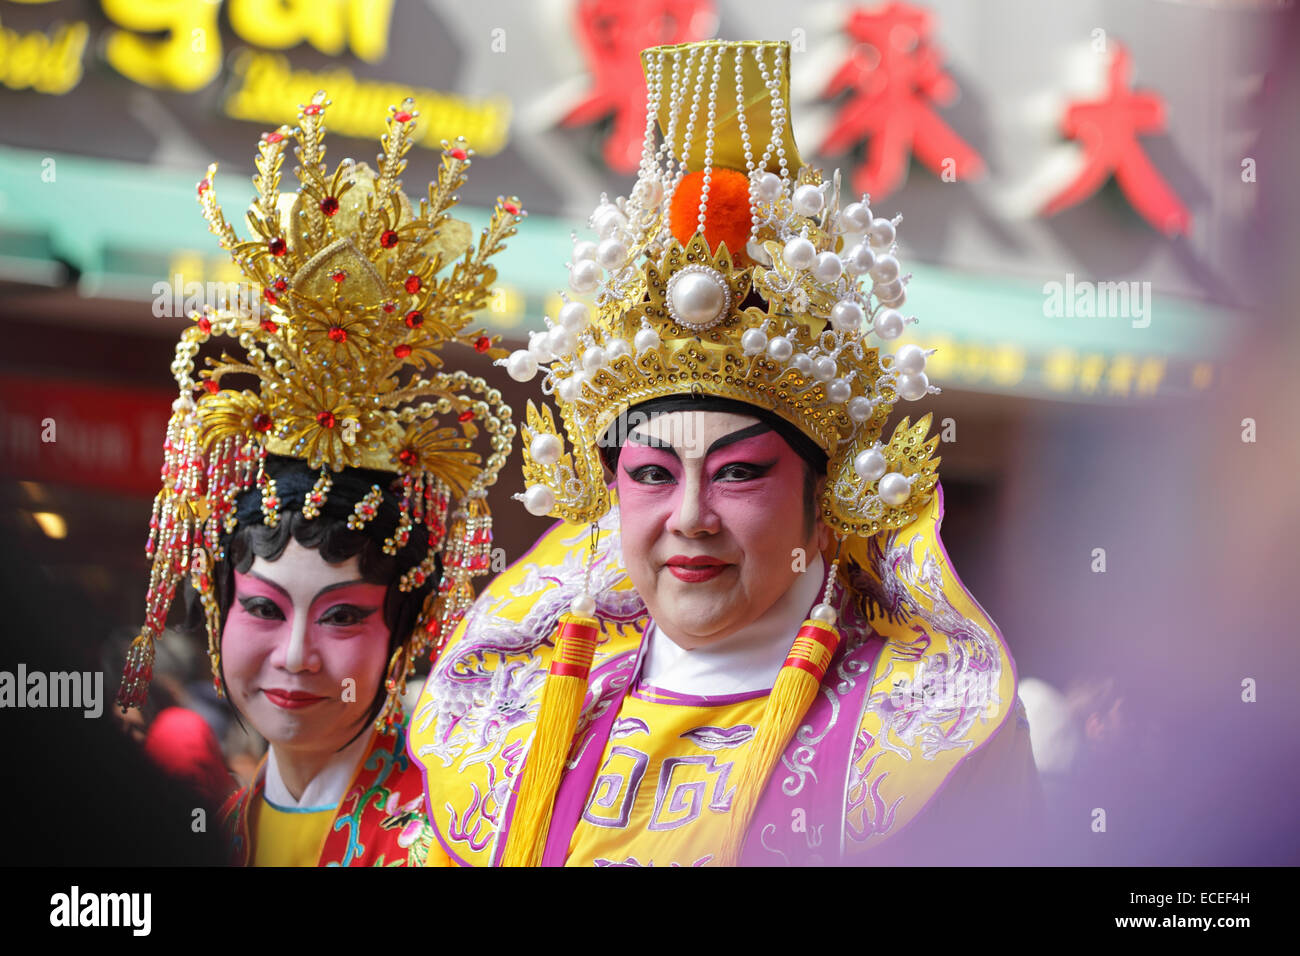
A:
[337, 360]
[732, 271]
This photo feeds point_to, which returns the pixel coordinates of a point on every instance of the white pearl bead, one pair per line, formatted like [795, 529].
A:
[869, 464]
[893, 302]
[799, 253]
[824, 368]
[539, 500]
[560, 340]
[823, 614]
[881, 233]
[808, 200]
[885, 269]
[910, 359]
[567, 389]
[594, 359]
[649, 192]
[780, 348]
[888, 324]
[753, 341]
[847, 316]
[859, 260]
[584, 249]
[856, 217]
[697, 298]
[912, 387]
[645, 340]
[521, 366]
[584, 276]
[584, 605]
[545, 449]
[574, 316]
[617, 348]
[767, 186]
[894, 489]
[611, 254]
[608, 220]
[860, 408]
[802, 363]
[539, 348]
[838, 391]
[828, 267]
[884, 291]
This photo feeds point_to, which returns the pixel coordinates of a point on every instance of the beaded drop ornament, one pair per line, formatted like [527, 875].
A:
[338, 348]
[732, 271]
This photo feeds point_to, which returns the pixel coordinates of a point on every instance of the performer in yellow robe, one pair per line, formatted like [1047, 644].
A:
[327, 522]
[751, 646]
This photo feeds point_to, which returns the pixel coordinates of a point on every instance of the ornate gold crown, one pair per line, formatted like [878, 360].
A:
[340, 335]
[710, 221]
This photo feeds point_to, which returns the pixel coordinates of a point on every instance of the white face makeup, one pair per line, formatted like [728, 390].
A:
[712, 509]
[304, 648]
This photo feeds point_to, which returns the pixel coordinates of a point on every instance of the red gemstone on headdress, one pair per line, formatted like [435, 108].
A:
[414, 319]
[274, 137]
[402, 116]
[407, 457]
[205, 324]
[465, 416]
[338, 276]
[482, 343]
[312, 109]
[329, 205]
[413, 284]
[270, 296]
[277, 246]
[325, 419]
[262, 422]
[269, 326]
[203, 186]
[211, 386]
[339, 335]
[390, 306]
[510, 207]
[402, 350]
[280, 283]
[388, 238]
[458, 153]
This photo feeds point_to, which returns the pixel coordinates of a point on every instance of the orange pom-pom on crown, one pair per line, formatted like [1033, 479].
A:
[726, 215]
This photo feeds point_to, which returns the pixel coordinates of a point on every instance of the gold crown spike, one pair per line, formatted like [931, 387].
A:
[732, 271]
[354, 297]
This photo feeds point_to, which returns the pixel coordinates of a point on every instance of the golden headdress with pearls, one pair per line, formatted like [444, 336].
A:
[731, 271]
[348, 306]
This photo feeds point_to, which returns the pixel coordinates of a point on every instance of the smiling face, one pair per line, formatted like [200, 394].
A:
[712, 507]
[299, 627]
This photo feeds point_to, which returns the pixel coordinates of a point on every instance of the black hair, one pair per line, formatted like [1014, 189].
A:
[814, 459]
[329, 535]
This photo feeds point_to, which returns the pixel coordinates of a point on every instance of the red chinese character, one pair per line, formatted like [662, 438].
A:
[612, 34]
[896, 74]
[1107, 128]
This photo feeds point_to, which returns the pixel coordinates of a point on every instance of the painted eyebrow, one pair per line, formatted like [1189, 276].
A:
[740, 434]
[325, 590]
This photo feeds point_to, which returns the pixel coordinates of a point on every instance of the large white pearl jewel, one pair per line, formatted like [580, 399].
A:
[808, 200]
[560, 340]
[539, 347]
[910, 359]
[780, 348]
[885, 269]
[584, 249]
[912, 387]
[869, 464]
[544, 449]
[823, 614]
[645, 340]
[838, 391]
[860, 259]
[698, 297]
[753, 341]
[799, 253]
[574, 316]
[888, 324]
[607, 220]
[648, 192]
[881, 233]
[847, 316]
[856, 217]
[824, 368]
[767, 186]
[521, 366]
[828, 267]
[594, 359]
[611, 254]
[860, 408]
[539, 500]
[616, 348]
[584, 276]
[802, 363]
[583, 605]
[894, 489]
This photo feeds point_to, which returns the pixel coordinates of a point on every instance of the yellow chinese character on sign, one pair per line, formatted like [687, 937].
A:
[1007, 365]
[328, 25]
[188, 58]
[1058, 370]
[1090, 371]
[1120, 375]
[1150, 374]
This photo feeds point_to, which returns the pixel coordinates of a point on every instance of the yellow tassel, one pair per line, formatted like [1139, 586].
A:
[793, 693]
[562, 697]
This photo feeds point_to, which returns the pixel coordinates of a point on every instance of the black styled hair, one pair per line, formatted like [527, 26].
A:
[329, 535]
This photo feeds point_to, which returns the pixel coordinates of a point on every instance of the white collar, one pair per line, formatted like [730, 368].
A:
[325, 790]
[739, 663]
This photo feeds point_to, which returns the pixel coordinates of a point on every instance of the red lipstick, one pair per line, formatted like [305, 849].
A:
[694, 569]
[291, 699]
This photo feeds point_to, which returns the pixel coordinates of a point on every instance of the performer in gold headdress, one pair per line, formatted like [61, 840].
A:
[751, 647]
[327, 517]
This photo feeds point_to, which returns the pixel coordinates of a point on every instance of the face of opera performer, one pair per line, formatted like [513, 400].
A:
[712, 506]
[297, 629]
